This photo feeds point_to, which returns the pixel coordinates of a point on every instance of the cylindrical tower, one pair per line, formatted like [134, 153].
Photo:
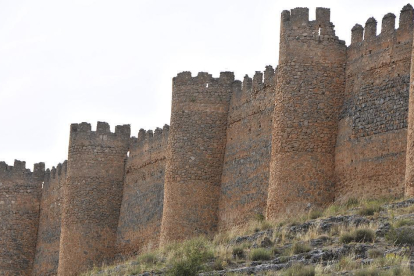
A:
[195, 155]
[92, 196]
[308, 97]
[20, 193]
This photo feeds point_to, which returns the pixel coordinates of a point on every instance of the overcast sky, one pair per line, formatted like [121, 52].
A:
[64, 62]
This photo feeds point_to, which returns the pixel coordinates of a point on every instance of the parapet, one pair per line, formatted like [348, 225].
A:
[148, 145]
[202, 78]
[102, 132]
[149, 137]
[296, 24]
[19, 170]
[369, 33]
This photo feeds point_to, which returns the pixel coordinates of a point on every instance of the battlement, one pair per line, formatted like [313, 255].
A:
[369, 33]
[148, 139]
[19, 167]
[59, 170]
[102, 133]
[202, 78]
[296, 23]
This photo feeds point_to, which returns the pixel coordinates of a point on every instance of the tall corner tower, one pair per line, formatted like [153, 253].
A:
[308, 97]
[92, 196]
[195, 155]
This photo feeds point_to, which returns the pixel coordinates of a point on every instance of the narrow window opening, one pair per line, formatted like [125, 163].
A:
[319, 31]
[128, 154]
[207, 85]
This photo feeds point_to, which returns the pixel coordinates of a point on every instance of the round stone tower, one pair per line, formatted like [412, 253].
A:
[308, 97]
[20, 193]
[92, 196]
[195, 155]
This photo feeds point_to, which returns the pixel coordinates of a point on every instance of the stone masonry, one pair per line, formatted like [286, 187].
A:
[331, 122]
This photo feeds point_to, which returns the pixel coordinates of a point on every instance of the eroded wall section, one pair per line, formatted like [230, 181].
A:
[371, 144]
[245, 178]
[141, 211]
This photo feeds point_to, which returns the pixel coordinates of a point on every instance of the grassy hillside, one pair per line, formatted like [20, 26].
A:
[357, 238]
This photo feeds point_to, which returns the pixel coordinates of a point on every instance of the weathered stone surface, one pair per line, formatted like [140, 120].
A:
[330, 123]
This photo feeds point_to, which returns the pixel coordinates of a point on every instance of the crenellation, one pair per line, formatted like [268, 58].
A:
[388, 24]
[370, 29]
[323, 16]
[19, 166]
[149, 134]
[357, 34]
[247, 84]
[157, 133]
[103, 127]
[257, 80]
[53, 172]
[269, 75]
[299, 17]
[142, 134]
[406, 18]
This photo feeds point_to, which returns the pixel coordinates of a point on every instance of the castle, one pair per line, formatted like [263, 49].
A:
[331, 122]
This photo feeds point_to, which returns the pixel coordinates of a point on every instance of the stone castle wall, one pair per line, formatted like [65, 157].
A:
[48, 237]
[328, 124]
[371, 144]
[245, 176]
[142, 204]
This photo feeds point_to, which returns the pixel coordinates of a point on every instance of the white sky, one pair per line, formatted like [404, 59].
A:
[64, 62]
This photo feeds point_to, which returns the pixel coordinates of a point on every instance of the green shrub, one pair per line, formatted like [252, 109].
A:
[401, 236]
[218, 264]
[352, 202]
[260, 254]
[359, 235]
[298, 248]
[404, 222]
[299, 270]
[148, 258]
[188, 259]
[346, 238]
[368, 272]
[370, 208]
[364, 235]
[315, 213]
[259, 217]
[276, 251]
[238, 252]
[375, 253]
